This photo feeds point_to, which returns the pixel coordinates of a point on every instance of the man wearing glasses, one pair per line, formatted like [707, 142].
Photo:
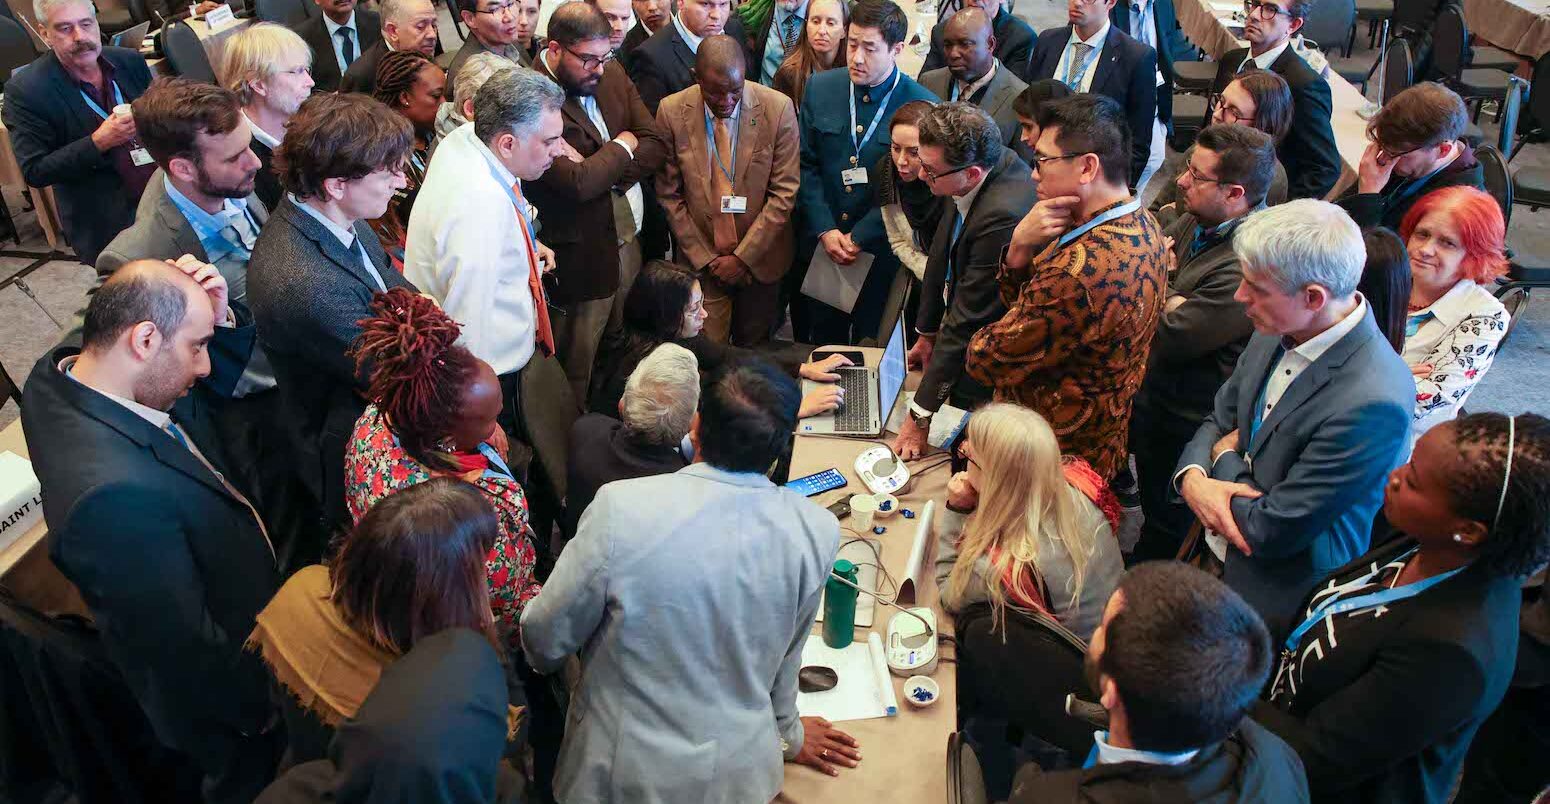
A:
[338, 37]
[1309, 154]
[962, 158]
[590, 201]
[1085, 277]
[1415, 149]
[492, 28]
[1203, 328]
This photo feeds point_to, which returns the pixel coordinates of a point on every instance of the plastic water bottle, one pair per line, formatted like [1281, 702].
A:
[839, 606]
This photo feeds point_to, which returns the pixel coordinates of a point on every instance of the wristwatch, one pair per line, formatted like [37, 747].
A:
[921, 420]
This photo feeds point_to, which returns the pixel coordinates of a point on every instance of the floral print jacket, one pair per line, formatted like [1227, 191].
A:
[1456, 337]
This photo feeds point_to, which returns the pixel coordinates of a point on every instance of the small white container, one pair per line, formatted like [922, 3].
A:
[887, 505]
[862, 508]
[921, 691]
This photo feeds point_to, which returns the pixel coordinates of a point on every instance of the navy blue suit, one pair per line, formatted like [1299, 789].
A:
[1126, 71]
[1308, 153]
[1014, 43]
[1171, 47]
[823, 202]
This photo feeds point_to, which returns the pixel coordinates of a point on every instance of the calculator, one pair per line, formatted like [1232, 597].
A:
[818, 482]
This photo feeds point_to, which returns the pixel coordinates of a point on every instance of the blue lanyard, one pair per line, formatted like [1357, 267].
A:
[1414, 186]
[118, 98]
[496, 463]
[1334, 604]
[1087, 64]
[715, 153]
[876, 116]
[1117, 212]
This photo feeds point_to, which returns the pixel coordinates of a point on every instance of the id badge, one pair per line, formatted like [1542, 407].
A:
[853, 176]
[734, 204]
[140, 157]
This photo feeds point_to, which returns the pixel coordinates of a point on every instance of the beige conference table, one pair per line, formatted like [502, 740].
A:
[25, 568]
[903, 758]
[1521, 26]
[1199, 21]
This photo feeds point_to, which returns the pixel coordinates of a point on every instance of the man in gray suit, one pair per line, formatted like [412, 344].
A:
[691, 617]
[1288, 470]
[1203, 329]
[973, 73]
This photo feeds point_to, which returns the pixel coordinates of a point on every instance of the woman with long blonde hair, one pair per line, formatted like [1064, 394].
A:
[1025, 527]
[822, 46]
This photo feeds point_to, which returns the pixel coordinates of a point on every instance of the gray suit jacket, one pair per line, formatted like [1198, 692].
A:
[996, 98]
[1321, 457]
[690, 619]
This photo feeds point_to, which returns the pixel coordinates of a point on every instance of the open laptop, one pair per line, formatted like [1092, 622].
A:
[132, 37]
[870, 394]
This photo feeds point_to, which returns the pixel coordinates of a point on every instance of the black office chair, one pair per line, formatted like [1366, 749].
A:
[1376, 13]
[185, 53]
[1329, 24]
[15, 49]
[1033, 702]
[1497, 178]
[1450, 44]
[1531, 185]
[1398, 69]
[285, 12]
[965, 778]
[1193, 77]
[9, 389]
[1512, 110]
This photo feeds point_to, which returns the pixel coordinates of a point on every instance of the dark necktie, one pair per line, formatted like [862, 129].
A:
[789, 30]
[346, 46]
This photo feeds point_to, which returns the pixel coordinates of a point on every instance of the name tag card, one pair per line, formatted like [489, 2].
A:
[853, 176]
[140, 157]
[220, 17]
[21, 507]
[734, 204]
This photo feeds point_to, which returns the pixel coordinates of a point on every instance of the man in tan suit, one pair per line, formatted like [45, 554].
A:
[729, 187]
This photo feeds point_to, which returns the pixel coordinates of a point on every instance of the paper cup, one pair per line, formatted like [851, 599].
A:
[123, 110]
[863, 507]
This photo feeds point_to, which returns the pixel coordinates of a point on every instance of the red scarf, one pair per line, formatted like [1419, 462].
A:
[1026, 589]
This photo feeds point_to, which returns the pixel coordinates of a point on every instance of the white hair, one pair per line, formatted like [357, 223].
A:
[41, 8]
[474, 71]
[513, 101]
[1301, 243]
[661, 395]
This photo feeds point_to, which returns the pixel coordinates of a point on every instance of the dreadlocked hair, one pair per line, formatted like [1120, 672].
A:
[1519, 540]
[396, 74]
[418, 373]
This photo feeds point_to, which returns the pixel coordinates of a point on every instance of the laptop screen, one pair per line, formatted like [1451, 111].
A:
[890, 375]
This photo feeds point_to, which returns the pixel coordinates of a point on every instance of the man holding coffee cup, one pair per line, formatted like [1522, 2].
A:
[70, 126]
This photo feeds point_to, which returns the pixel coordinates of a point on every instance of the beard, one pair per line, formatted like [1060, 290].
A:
[208, 186]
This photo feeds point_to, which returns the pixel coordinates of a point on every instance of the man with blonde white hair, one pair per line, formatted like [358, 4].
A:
[67, 130]
[1287, 472]
[655, 415]
[269, 67]
[459, 108]
[406, 25]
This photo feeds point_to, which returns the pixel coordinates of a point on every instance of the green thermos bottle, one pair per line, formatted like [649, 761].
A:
[839, 606]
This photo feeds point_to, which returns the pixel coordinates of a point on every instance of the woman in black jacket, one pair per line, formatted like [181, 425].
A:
[1405, 651]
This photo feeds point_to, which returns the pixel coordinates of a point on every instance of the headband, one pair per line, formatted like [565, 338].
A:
[1512, 434]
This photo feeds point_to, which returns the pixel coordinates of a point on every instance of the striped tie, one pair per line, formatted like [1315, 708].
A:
[789, 31]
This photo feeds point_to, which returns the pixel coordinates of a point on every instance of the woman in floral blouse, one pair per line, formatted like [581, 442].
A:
[1457, 242]
[432, 414]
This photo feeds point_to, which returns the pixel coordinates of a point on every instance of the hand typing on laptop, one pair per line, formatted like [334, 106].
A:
[828, 397]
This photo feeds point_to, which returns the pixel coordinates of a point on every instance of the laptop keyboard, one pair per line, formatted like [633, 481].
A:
[855, 416]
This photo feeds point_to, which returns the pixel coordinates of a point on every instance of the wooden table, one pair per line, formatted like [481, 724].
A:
[903, 758]
[1521, 26]
[1214, 38]
[25, 568]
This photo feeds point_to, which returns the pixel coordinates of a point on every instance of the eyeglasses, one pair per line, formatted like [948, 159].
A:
[1201, 178]
[1391, 156]
[498, 11]
[592, 62]
[932, 175]
[1040, 161]
[1230, 113]
[1264, 9]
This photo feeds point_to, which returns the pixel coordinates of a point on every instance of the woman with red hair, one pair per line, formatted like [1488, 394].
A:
[1456, 238]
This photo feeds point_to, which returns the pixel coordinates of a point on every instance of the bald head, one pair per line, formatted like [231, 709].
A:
[410, 25]
[718, 69]
[143, 290]
[969, 44]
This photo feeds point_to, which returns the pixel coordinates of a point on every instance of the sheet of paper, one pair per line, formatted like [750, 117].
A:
[945, 425]
[834, 284]
[860, 693]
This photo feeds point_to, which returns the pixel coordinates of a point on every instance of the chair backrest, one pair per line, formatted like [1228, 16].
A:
[1512, 107]
[1329, 24]
[284, 12]
[1398, 69]
[1498, 180]
[1035, 701]
[965, 777]
[1539, 94]
[9, 389]
[186, 53]
[15, 48]
[1448, 43]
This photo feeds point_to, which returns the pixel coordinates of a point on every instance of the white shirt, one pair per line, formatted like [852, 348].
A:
[1264, 60]
[346, 237]
[466, 249]
[261, 135]
[1096, 43]
[1458, 338]
[1112, 755]
[965, 93]
[333, 38]
[158, 418]
[689, 37]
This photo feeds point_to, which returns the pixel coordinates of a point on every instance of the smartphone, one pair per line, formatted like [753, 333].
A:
[818, 482]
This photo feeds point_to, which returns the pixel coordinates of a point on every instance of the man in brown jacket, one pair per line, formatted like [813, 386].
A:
[590, 202]
[728, 188]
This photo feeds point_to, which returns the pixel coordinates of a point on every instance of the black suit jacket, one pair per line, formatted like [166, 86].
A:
[1126, 71]
[660, 65]
[1171, 47]
[266, 184]
[308, 292]
[362, 75]
[1388, 714]
[1014, 45]
[632, 40]
[1309, 153]
[173, 567]
[972, 294]
[602, 452]
[51, 127]
[325, 67]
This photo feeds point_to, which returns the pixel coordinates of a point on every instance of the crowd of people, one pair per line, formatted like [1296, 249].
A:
[339, 548]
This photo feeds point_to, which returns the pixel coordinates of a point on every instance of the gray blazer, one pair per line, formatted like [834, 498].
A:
[996, 98]
[1321, 457]
[690, 619]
